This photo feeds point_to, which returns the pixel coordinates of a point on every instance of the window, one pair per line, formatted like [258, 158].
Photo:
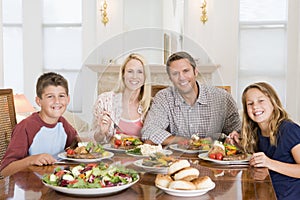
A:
[13, 44]
[263, 48]
[62, 41]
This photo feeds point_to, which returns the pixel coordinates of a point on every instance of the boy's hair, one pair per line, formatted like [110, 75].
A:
[50, 78]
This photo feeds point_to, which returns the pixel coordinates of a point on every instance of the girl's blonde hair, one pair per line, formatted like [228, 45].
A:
[145, 93]
[249, 127]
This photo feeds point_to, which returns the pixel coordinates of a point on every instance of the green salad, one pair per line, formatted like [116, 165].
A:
[91, 175]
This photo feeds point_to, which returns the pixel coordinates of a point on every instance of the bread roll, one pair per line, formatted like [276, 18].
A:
[178, 165]
[187, 174]
[203, 182]
[182, 185]
[163, 180]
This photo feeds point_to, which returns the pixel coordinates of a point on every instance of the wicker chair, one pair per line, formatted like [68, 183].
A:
[7, 118]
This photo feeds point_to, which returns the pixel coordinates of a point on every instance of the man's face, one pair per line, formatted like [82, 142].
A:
[183, 76]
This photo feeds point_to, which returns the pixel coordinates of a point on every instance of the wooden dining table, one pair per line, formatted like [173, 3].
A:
[231, 182]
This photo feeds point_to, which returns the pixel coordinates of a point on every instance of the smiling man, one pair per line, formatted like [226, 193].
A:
[189, 107]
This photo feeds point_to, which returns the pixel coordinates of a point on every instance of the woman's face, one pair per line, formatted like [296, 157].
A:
[259, 106]
[134, 76]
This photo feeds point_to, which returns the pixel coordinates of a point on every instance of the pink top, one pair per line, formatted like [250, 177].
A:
[131, 127]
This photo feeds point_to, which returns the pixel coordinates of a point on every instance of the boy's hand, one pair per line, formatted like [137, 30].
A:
[41, 159]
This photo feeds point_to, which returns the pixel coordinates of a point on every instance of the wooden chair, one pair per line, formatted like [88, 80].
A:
[225, 87]
[7, 118]
[156, 88]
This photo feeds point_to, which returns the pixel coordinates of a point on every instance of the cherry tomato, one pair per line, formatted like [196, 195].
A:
[118, 142]
[219, 156]
[70, 152]
[212, 156]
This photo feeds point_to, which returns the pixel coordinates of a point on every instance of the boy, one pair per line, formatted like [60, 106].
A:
[44, 134]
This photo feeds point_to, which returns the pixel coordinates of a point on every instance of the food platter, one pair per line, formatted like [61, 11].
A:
[107, 155]
[204, 156]
[155, 170]
[90, 192]
[164, 151]
[177, 148]
[109, 147]
[186, 193]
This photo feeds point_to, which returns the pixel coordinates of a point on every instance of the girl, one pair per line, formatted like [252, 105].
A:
[267, 130]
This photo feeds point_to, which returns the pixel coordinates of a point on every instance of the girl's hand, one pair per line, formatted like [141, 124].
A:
[233, 138]
[260, 160]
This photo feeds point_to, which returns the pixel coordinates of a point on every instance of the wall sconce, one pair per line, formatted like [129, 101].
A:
[104, 13]
[204, 17]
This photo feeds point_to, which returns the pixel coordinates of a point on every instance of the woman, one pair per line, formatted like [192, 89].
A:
[127, 105]
[268, 131]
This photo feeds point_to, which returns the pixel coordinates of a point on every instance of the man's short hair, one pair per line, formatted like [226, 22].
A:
[178, 56]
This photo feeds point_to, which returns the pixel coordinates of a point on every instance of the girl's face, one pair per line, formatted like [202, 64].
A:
[53, 103]
[134, 76]
[259, 106]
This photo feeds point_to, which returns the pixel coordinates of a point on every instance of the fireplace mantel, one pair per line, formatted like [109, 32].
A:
[108, 74]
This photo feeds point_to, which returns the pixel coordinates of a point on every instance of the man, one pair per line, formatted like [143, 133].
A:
[189, 107]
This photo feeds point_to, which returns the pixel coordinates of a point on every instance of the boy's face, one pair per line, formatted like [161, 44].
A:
[53, 103]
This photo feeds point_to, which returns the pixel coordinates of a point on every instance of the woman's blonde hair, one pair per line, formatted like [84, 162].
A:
[145, 93]
[249, 127]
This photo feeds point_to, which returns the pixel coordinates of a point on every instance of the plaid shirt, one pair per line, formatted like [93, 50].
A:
[215, 111]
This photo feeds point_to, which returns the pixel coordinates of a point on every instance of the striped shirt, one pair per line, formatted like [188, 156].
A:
[214, 111]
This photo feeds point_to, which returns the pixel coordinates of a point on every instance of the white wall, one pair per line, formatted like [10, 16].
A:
[1, 49]
[219, 37]
[293, 67]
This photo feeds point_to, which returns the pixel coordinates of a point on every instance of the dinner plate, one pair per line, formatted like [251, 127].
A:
[186, 193]
[204, 156]
[177, 148]
[109, 147]
[91, 192]
[155, 170]
[164, 151]
[63, 155]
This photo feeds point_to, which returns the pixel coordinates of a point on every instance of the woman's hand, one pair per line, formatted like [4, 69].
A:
[105, 122]
[260, 160]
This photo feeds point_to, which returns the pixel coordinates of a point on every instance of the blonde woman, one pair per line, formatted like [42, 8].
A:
[127, 104]
[272, 137]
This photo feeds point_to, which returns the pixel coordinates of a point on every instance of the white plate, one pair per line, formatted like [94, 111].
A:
[155, 170]
[63, 155]
[109, 147]
[204, 156]
[88, 192]
[164, 151]
[175, 147]
[186, 193]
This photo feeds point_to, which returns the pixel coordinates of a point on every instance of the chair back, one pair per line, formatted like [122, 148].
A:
[7, 118]
[156, 88]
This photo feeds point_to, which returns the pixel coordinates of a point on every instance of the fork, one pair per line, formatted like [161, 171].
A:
[116, 126]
